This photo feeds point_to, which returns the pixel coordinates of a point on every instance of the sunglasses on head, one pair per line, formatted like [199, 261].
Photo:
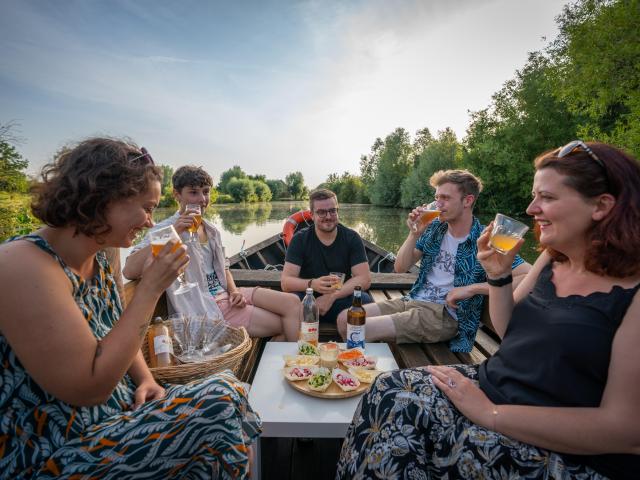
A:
[144, 158]
[577, 145]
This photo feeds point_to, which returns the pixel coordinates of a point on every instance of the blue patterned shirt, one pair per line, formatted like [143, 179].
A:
[467, 271]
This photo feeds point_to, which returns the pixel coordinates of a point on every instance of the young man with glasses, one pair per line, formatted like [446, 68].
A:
[326, 247]
[445, 302]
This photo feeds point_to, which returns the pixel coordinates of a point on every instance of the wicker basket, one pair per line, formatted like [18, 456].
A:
[232, 359]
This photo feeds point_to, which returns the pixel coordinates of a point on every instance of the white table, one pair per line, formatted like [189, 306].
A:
[286, 412]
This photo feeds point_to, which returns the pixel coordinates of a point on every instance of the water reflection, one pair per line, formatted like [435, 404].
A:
[251, 223]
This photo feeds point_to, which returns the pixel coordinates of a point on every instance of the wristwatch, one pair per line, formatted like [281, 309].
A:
[309, 284]
[500, 282]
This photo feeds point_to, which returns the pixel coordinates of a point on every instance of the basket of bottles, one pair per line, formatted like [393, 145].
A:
[186, 347]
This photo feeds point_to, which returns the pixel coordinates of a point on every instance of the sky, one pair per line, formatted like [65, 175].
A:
[272, 86]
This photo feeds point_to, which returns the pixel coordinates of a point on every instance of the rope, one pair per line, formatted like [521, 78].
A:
[274, 267]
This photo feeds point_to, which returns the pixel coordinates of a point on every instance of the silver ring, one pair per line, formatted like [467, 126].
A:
[451, 383]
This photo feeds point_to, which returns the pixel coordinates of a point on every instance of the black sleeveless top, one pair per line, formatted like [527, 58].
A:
[556, 353]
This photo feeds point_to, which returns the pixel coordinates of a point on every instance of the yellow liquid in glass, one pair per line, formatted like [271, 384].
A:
[157, 246]
[503, 243]
[428, 215]
[197, 220]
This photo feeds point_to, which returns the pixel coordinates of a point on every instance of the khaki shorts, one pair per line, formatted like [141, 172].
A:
[419, 322]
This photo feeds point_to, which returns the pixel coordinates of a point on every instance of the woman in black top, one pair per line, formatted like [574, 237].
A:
[560, 398]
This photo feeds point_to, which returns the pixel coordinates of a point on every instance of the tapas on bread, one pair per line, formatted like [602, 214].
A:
[297, 373]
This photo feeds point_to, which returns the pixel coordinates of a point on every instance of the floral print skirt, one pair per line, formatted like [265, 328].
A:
[406, 428]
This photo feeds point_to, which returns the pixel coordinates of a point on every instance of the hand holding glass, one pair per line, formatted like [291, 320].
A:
[425, 216]
[338, 284]
[506, 233]
[159, 238]
[195, 212]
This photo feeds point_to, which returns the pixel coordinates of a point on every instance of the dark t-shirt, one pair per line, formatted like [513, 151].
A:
[316, 259]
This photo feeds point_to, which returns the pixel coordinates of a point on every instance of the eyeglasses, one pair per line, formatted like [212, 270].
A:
[145, 155]
[575, 145]
[323, 213]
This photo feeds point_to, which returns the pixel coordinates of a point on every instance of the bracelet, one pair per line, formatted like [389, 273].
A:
[309, 284]
[495, 417]
[500, 282]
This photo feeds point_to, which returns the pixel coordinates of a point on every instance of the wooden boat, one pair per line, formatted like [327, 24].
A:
[260, 265]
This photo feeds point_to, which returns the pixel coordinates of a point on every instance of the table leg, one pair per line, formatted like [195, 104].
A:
[256, 464]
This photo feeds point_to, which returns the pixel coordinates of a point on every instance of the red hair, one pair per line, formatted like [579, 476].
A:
[614, 242]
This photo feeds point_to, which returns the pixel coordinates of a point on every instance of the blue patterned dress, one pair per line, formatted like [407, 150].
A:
[199, 430]
[406, 428]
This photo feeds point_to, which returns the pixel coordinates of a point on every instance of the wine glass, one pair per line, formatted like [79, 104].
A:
[194, 210]
[159, 239]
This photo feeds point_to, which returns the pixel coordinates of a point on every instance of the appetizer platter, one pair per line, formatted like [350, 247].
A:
[351, 375]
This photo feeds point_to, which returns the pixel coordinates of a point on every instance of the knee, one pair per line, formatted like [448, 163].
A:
[341, 324]
[292, 301]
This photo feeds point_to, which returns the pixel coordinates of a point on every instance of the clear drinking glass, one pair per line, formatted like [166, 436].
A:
[426, 215]
[159, 239]
[194, 210]
[506, 233]
[341, 276]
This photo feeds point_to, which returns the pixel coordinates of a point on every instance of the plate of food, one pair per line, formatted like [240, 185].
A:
[304, 374]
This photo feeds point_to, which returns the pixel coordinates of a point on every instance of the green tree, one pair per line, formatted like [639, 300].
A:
[524, 119]
[227, 175]
[167, 175]
[12, 177]
[369, 164]
[597, 69]
[263, 193]
[442, 153]
[394, 164]
[12, 165]
[295, 185]
[241, 189]
[278, 188]
[347, 187]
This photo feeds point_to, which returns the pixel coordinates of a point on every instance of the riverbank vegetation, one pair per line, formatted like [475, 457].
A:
[583, 84]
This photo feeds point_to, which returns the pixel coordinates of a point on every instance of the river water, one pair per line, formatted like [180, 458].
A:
[248, 224]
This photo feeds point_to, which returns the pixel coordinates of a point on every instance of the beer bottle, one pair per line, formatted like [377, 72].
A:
[355, 321]
[159, 342]
[310, 321]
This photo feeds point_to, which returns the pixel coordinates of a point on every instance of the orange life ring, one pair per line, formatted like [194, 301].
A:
[292, 223]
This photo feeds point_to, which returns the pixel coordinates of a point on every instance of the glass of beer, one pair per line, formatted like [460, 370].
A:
[425, 216]
[159, 239]
[328, 354]
[340, 280]
[506, 233]
[195, 212]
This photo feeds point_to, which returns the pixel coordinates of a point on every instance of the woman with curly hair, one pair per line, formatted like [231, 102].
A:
[77, 399]
[560, 397]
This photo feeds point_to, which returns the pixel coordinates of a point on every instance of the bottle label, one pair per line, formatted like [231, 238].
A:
[309, 331]
[355, 336]
[162, 344]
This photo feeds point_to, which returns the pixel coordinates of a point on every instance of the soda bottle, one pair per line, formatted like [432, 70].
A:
[355, 321]
[310, 322]
[159, 342]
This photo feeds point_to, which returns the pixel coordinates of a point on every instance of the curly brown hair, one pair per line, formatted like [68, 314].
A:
[614, 242]
[78, 186]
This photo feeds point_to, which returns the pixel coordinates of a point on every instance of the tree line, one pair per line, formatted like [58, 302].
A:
[584, 84]
[236, 186]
